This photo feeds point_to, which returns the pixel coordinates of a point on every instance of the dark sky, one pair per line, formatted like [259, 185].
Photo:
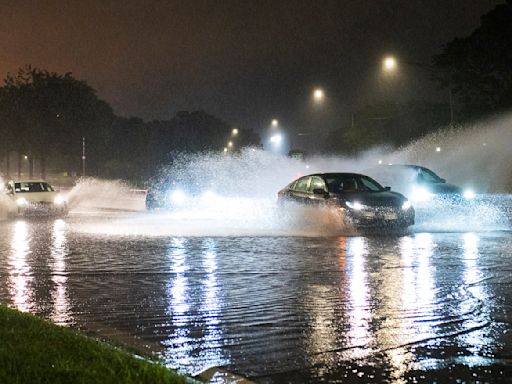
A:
[245, 61]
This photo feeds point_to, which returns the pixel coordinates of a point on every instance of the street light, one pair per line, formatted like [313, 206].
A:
[230, 144]
[389, 64]
[275, 123]
[318, 95]
[234, 132]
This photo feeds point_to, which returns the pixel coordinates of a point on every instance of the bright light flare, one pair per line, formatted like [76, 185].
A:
[21, 202]
[276, 139]
[469, 194]
[421, 194]
[59, 200]
[234, 131]
[356, 205]
[178, 197]
[406, 205]
[318, 95]
[389, 64]
[275, 123]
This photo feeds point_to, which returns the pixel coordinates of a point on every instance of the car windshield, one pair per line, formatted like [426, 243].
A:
[37, 186]
[352, 183]
[427, 176]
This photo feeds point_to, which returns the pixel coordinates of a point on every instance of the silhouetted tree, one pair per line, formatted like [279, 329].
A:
[478, 68]
[50, 113]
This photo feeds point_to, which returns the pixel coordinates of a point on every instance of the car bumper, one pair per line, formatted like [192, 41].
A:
[380, 218]
[42, 209]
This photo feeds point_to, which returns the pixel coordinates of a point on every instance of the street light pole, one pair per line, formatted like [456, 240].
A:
[83, 156]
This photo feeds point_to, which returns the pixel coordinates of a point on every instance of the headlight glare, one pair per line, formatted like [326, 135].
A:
[469, 194]
[421, 194]
[177, 196]
[21, 201]
[59, 200]
[354, 205]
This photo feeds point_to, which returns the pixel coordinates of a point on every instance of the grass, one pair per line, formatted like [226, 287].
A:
[33, 350]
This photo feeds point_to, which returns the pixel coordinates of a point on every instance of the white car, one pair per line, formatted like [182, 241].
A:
[35, 197]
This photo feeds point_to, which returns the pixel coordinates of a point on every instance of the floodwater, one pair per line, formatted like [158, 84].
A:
[303, 305]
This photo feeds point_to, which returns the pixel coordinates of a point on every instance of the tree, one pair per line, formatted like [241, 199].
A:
[50, 113]
[478, 68]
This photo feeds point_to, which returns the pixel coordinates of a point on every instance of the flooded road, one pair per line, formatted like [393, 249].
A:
[421, 306]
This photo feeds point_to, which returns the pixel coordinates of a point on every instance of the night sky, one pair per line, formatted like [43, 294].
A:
[243, 61]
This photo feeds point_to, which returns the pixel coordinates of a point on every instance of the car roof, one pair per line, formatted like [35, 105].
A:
[344, 174]
[29, 181]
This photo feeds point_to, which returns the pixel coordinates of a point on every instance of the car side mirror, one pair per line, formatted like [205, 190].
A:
[320, 191]
[387, 188]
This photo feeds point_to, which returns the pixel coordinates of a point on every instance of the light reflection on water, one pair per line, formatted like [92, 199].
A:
[260, 306]
[61, 313]
[19, 271]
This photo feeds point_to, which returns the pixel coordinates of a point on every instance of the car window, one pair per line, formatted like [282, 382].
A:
[302, 184]
[317, 183]
[292, 185]
[26, 187]
[352, 183]
[369, 184]
[427, 176]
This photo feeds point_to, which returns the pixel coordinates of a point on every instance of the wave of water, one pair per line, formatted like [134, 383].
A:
[245, 187]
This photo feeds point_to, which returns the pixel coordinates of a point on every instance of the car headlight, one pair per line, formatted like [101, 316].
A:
[469, 194]
[356, 206]
[21, 201]
[421, 194]
[406, 205]
[59, 200]
[177, 196]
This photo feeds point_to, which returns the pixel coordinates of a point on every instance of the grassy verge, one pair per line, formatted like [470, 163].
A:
[33, 350]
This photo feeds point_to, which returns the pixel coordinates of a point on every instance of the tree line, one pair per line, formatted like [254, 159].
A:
[46, 117]
[476, 70]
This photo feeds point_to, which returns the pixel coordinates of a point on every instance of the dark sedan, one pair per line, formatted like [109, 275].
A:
[362, 201]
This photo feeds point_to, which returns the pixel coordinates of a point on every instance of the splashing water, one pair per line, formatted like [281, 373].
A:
[244, 189]
[246, 186]
[6, 204]
[94, 194]
[478, 155]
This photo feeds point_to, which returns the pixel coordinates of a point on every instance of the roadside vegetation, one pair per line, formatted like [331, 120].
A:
[34, 350]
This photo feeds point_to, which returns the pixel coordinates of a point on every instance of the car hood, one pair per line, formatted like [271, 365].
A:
[375, 199]
[37, 197]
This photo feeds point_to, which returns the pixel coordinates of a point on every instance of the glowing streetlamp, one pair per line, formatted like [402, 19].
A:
[230, 144]
[225, 149]
[389, 64]
[438, 149]
[318, 95]
[275, 123]
[234, 131]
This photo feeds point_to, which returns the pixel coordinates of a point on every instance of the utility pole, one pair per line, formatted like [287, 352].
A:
[450, 98]
[83, 156]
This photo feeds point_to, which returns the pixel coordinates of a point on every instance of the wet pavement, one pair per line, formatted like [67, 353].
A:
[419, 307]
